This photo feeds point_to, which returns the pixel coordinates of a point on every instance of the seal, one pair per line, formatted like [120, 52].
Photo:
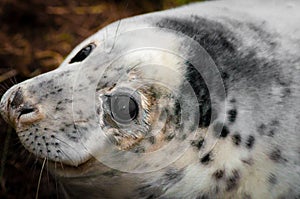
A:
[200, 101]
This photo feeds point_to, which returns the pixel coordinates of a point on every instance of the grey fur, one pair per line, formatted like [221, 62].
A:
[240, 141]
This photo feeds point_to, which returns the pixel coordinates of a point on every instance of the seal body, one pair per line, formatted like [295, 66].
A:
[201, 101]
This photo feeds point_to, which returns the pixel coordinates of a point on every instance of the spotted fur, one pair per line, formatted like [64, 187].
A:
[191, 137]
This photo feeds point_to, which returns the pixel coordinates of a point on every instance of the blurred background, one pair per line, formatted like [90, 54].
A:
[35, 37]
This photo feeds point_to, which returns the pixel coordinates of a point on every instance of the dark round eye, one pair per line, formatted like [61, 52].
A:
[124, 108]
[83, 53]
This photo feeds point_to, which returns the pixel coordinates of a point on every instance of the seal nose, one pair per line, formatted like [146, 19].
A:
[16, 110]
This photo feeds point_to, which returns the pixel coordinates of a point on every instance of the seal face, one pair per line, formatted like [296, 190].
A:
[196, 102]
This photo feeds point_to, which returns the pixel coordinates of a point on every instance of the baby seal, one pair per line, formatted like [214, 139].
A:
[196, 102]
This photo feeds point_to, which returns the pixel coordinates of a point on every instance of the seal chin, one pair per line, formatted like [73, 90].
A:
[68, 169]
[68, 163]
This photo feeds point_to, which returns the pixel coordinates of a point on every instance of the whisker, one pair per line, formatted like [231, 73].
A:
[66, 143]
[8, 75]
[68, 157]
[56, 184]
[47, 166]
[5, 152]
[15, 79]
[4, 86]
[28, 158]
[40, 177]
[116, 35]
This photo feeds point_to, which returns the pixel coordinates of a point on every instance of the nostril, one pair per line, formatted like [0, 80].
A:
[29, 114]
[26, 110]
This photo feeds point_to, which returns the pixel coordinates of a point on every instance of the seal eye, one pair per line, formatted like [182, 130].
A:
[123, 108]
[83, 53]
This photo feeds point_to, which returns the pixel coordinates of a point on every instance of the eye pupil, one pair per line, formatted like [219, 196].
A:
[83, 53]
[123, 108]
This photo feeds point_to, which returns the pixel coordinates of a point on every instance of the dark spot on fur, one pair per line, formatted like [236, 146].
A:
[271, 133]
[197, 143]
[224, 132]
[139, 149]
[152, 140]
[158, 187]
[74, 138]
[236, 139]
[233, 100]
[150, 191]
[202, 196]
[261, 129]
[173, 175]
[233, 180]
[220, 130]
[248, 161]
[170, 137]
[250, 141]
[275, 123]
[272, 179]
[276, 156]
[246, 196]
[206, 158]
[286, 92]
[218, 174]
[49, 82]
[224, 75]
[59, 108]
[232, 114]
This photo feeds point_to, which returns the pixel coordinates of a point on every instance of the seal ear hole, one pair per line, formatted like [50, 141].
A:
[83, 53]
